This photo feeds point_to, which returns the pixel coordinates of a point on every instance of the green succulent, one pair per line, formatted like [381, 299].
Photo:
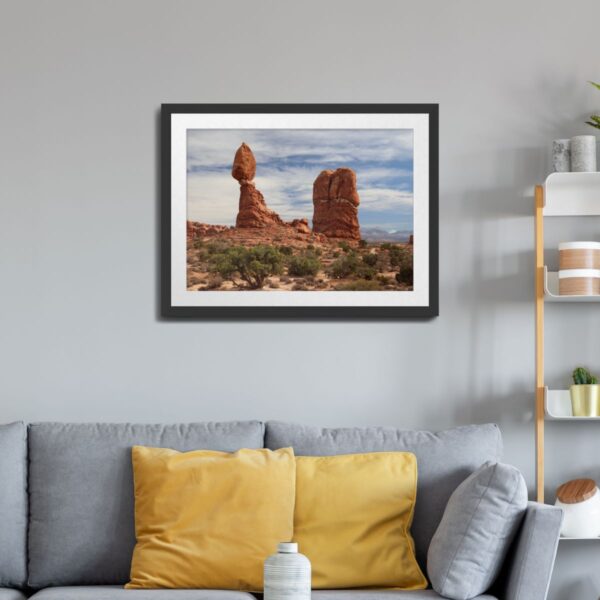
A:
[594, 119]
[582, 376]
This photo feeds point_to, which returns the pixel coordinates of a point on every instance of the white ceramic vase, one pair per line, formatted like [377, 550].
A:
[287, 574]
[581, 519]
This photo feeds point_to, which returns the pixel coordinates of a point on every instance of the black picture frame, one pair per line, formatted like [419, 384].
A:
[168, 310]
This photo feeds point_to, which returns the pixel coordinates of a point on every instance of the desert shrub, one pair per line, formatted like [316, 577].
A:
[194, 280]
[400, 256]
[310, 247]
[405, 275]
[336, 254]
[286, 250]
[386, 246]
[360, 285]
[214, 281]
[344, 266]
[384, 280]
[363, 243]
[370, 259]
[299, 266]
[215, 247]
[365, 272]
[253, 265]
[345, 246]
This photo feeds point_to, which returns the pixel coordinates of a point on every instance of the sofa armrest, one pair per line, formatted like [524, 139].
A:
[531, 560]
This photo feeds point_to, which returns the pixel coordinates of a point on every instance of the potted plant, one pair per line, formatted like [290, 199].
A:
[594, 119]
[585, 394]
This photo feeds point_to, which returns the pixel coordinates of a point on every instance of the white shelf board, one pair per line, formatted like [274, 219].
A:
[577, 539]
[558, 407]
[551, 290]
[572, 194]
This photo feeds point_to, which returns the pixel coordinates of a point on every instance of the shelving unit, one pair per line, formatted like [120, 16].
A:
[551, 290]
[557, 405]
[562, 195]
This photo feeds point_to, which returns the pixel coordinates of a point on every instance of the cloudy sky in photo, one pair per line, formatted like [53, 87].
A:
[288, 162]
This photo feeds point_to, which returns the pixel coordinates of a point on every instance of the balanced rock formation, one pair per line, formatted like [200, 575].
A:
[253, 211]
[244, 164]
[336, 201]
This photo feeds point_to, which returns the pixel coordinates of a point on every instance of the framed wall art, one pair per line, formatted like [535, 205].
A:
[294, 211]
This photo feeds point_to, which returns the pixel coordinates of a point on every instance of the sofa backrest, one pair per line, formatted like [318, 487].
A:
[13, 505]
[81, 504]
[444, 459]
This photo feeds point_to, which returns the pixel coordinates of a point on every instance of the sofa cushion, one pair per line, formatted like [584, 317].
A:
[13, 505]
[480, 521]
[81, 528]
[207, 519]
[382, 595]
[10, 594]
[352, 520]
[444, 459]
[107, 592]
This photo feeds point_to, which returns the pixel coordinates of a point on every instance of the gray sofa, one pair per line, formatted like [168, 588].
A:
[68, 513]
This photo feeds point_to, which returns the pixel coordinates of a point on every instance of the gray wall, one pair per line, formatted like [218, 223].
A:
[81, 83]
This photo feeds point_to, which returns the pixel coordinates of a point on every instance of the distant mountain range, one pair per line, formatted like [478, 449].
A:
[376, 234]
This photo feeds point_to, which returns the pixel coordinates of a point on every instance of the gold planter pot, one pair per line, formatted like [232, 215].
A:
[585, 400]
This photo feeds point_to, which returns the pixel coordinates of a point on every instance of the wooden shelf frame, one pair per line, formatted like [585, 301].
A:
[562, 195]
[540, 388]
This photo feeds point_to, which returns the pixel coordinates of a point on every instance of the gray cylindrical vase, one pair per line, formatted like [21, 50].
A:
[561, 156]
[287, 574]
[583, 153]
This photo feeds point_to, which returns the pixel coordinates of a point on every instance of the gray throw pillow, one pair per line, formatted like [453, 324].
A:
[474, 535]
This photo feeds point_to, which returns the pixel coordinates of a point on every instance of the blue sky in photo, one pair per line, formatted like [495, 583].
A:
[288, 162]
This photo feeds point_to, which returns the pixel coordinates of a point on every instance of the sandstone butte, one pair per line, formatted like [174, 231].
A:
[336, 200]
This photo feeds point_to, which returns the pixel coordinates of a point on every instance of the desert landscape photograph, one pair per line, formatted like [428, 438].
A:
[299, 210]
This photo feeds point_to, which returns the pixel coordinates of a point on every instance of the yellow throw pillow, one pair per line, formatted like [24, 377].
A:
[208, 519]
[352, 520]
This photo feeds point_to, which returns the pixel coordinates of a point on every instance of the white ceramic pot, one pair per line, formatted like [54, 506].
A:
[287, 574]
[581, 519]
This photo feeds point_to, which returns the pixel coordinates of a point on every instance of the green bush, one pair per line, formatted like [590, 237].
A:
[363, 243]
[400, 256]
[286, 250]
[365, 272]
[300, 266]
[253, 265]
[370, 259]
[405, 275]
[344, 266]
[345, 246]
